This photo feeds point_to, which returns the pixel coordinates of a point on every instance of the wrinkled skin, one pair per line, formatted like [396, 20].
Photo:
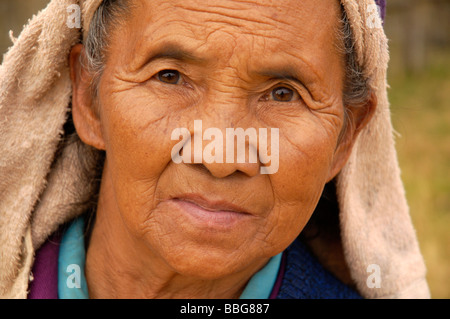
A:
[235, 54]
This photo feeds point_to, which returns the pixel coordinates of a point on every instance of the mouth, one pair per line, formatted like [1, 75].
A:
[219, 214]
[212, 206]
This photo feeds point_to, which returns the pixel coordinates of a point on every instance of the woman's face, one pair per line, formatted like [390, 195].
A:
[230, 64]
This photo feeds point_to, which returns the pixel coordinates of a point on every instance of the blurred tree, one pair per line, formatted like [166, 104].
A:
[417, 29]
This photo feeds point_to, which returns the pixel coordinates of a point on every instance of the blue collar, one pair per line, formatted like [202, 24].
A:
[72, 259]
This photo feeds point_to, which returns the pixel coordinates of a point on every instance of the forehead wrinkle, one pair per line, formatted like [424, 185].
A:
[235, 17]
[283, 16]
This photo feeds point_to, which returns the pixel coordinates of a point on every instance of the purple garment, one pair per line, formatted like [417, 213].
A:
[277, 286]
[45, 270]
[382, 5]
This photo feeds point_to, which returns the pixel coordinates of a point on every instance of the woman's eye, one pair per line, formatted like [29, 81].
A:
[169, 76]
[283, 94]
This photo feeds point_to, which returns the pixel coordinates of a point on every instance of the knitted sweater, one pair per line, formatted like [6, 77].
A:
[305, 278]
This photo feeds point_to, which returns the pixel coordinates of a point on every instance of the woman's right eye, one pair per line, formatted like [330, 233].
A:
[169, 76]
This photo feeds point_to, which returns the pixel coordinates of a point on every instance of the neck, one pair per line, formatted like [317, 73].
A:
[120, 265]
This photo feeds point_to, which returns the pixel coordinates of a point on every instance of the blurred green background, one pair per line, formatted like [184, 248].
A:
[419, 76]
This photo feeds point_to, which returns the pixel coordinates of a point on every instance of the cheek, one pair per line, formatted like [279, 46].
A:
[136, 128]
[306, 153]
[138, 143]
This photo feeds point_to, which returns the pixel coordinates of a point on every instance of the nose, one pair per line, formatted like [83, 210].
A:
[223, 152]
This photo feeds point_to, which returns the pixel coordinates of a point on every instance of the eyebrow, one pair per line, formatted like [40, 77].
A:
[174, 52]
[285, 73]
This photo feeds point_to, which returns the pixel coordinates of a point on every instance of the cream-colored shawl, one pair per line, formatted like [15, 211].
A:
[35, 93]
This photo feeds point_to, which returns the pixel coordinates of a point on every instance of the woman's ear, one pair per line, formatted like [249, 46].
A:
[85, 116]
[357, 117]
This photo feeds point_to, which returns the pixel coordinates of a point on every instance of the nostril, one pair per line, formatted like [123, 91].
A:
[222, 170]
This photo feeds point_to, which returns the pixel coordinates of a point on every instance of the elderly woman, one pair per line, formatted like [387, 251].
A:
[118, 169]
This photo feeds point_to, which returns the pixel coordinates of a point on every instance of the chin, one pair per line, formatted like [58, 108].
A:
[207, 264]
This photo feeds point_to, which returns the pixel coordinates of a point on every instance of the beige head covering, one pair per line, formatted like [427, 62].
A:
[36, 186]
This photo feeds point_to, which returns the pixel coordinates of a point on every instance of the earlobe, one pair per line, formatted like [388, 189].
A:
[85, 117]
[358, 118]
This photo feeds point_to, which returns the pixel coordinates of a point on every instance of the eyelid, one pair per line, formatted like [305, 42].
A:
[165, 64]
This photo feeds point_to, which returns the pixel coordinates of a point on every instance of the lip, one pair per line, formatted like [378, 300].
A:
[217, 214]
[212, 206]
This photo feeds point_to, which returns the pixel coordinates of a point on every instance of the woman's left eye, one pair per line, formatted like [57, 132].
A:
[169, 76]
[283, 94]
